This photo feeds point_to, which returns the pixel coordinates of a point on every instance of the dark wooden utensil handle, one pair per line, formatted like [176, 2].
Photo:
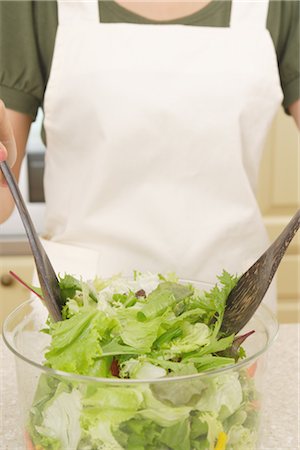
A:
[45, 271]
[250, 290]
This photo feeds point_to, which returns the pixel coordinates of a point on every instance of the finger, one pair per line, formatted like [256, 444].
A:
[3, 157]
[3, 152]
[7, 137]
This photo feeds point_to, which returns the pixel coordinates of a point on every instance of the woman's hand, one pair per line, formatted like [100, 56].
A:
[14, 130]
[295, 112]
[8, 149]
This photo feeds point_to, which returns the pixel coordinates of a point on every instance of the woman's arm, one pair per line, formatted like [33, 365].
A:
[14, 130]
[294, 109]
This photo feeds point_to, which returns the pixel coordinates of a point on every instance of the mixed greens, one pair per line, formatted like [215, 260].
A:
[144, 329]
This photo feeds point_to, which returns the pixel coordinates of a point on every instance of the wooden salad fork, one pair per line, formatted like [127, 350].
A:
[46, 274]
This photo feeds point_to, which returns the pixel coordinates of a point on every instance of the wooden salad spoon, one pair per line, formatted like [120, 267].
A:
[249, 291]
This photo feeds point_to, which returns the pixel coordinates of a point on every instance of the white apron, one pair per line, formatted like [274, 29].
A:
[154, 138]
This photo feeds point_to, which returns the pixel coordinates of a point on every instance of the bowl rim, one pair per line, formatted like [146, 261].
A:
[132, 381]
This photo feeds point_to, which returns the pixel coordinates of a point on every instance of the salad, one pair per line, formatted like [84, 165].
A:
[147, 338]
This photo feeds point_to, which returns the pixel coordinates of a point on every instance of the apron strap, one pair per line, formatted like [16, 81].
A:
[251, 13]
[73, 11]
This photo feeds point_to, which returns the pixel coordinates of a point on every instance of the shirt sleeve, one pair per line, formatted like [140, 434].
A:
[284, 26]
[25, 52]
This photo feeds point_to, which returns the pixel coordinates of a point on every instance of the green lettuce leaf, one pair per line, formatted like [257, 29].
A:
[177, 437]
[161, 413]
[140, 434]
[75, 342]
[223, 395]
[69, 285]
[180, 392]
[115, 347]
[217, 296]
[193, 337]
[61, 420]
[164, 296]
[57, 424]
[208, 425]
[210, 362]
[140, 368]
[137, 334]
[241, 438]
[105, 409]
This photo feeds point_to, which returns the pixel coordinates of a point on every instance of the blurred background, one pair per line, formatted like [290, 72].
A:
[278, 195]
[279, 199]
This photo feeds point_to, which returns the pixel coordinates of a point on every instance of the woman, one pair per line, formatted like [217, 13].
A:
[155, 119]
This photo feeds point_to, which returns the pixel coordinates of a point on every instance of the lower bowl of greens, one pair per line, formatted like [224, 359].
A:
[139, 363]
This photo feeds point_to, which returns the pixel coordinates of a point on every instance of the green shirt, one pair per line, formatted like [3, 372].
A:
[28, 30]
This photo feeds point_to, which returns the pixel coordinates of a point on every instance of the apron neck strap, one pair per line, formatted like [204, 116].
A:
[75, 10]
[251, 13]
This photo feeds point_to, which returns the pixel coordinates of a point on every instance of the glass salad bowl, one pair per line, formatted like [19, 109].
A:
[215, 409]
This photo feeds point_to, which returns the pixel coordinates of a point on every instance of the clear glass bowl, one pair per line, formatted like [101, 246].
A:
[213, 410]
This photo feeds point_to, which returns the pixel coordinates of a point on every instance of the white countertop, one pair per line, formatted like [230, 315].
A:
[281, 417]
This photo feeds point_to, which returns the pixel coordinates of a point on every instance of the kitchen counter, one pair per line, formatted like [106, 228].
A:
[14, 245]
[281, 411]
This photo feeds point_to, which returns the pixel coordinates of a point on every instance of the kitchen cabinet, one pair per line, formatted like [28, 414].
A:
[279, 199]
[12, 293]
